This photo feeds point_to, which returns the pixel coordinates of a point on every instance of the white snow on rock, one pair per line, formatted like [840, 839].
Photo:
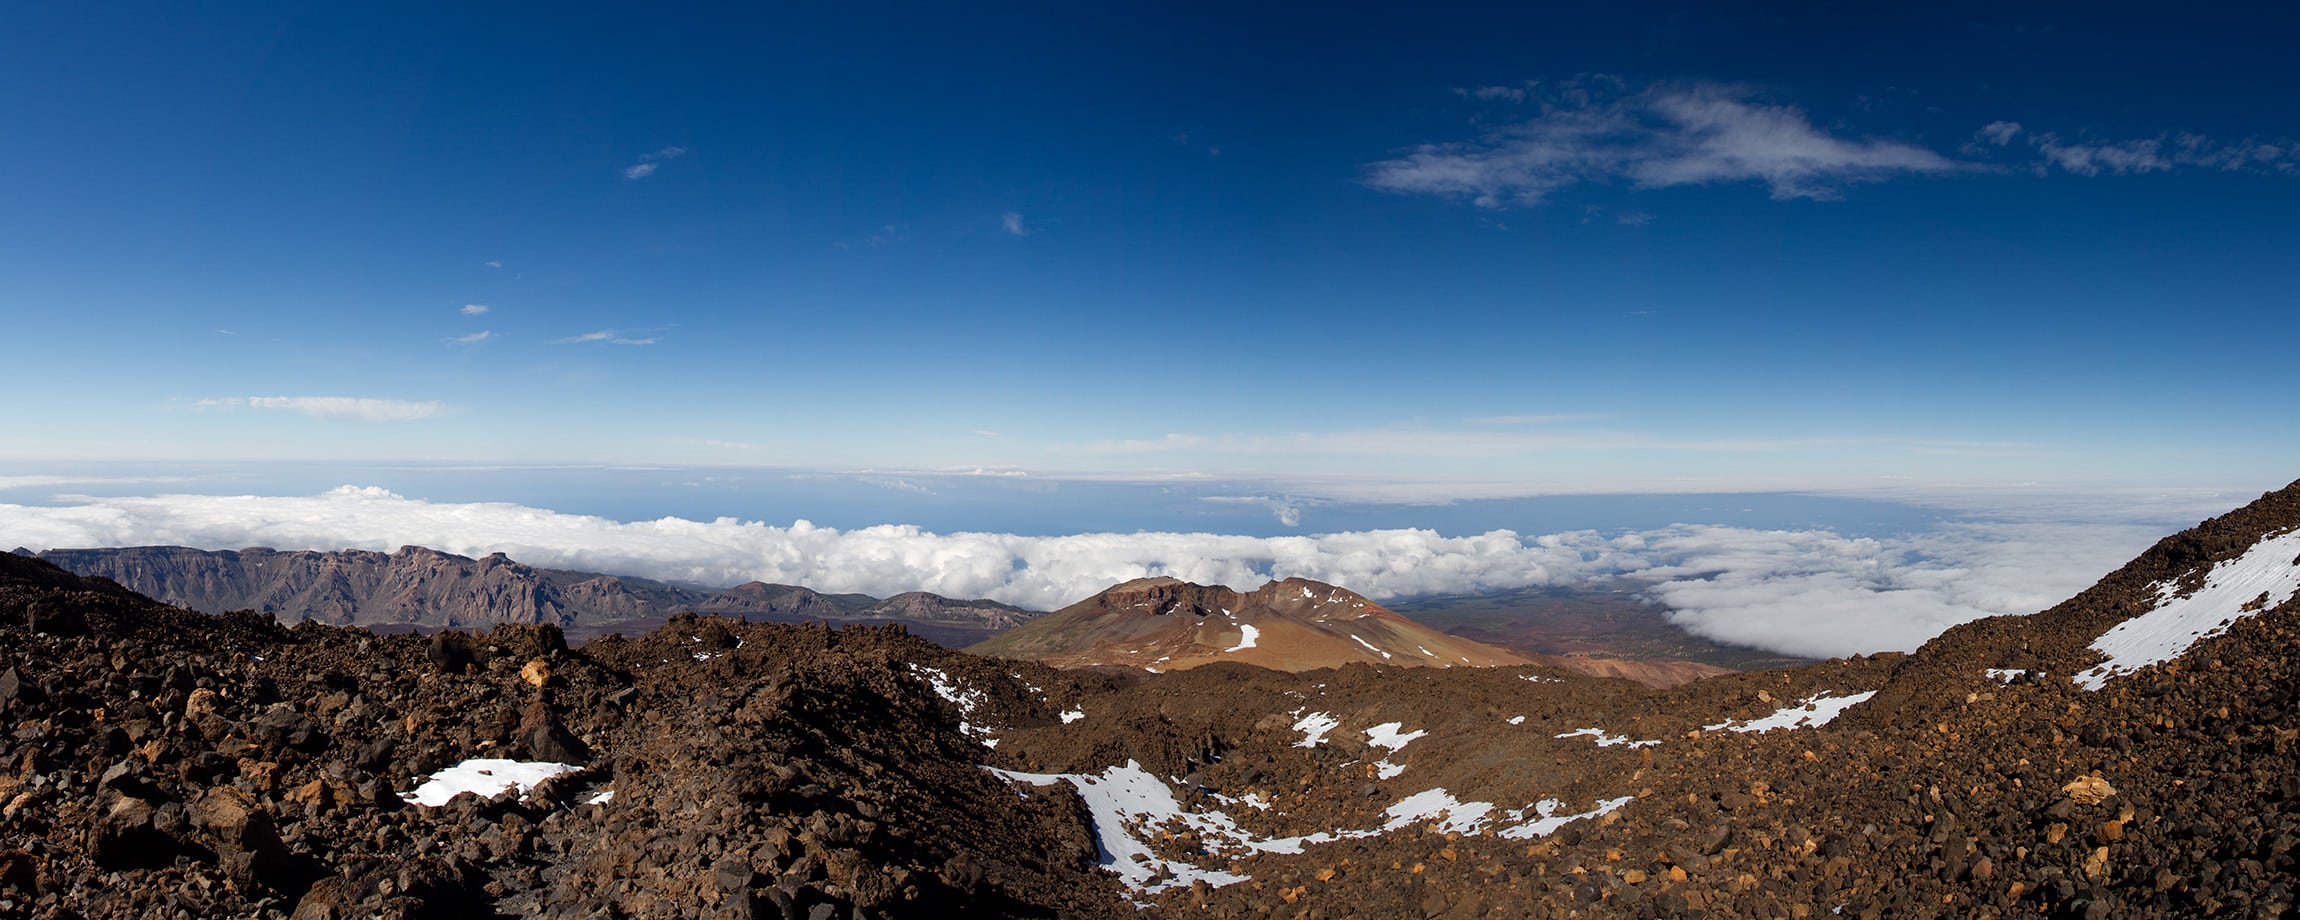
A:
[1128, 805]
[1459, 817]
[1547, 821]
[1314, 728]
[1126, 800]
[2266, 575]
[2005, 675]
[1813, 712]
[486, 778]
[1386, 735]
[1370, 647]
[1072, 715]
[1606, 740]
[966, 698]
[1248, 635]
[1520, 720]
[603, 797]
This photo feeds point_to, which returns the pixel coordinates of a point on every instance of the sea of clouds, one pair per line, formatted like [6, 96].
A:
[1798, 592]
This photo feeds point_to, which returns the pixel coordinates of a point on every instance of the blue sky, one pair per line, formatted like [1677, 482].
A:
[1366, 252]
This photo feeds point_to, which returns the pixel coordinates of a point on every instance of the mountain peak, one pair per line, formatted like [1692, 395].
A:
[1290, 624]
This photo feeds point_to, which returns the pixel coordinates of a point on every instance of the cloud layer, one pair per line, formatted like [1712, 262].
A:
[1811, 593]
[352, 408]
[1663, 136]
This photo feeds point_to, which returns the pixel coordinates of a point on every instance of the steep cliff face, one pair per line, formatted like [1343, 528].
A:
[1166, 624]
[427, 588]
[358, 587]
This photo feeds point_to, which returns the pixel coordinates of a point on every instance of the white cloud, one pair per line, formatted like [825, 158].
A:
[472, 339]
[333, 407]
[608, 336]
[1287, 509]
[1493, 93]
[474, 309]
[1012, 221]
[1797, 592]
[493, 263]
[1554, 418]
[2137, 156]
[649, 162]
[2118, 159]
[1817, 593]
[1660, 137]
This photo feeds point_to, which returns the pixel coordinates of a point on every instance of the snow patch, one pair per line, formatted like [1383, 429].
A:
[1125, 801]
[1072, 715]
[1458, 817]
[1248, 635]
[1128, 805]
[602, 797]
[1370, 647]
[966, 698]
[1606, 740]
[1386, 735]
[1813, 712]
[486, 778]
[1547, 821]
[1517, 720]
[2005, 675]
[2266, 576]
[1314, 728]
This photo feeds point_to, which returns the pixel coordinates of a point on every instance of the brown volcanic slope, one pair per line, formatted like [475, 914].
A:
[162, 763]
[1166, 624]
[430, 589]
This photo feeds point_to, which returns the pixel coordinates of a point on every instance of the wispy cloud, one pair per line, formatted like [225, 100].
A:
[1495, 93]
[493, 263]
[2000, 133]
[649, 162]
[1286, 508]
[2093, 156]
[474, 309]
[1012, 221]
[1558, 418]
[604, 336]
[1425, 442]
[472, 339]
[1599, 131]
[351, 408]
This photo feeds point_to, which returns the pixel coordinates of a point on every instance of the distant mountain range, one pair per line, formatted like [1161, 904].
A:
[423, 589]
[428, 589]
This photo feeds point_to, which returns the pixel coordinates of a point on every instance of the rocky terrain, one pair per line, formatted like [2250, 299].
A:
[425, 588]
[2127, 753]
[1295, 624]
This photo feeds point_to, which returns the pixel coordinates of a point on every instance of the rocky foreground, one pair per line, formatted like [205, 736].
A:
[162, 763]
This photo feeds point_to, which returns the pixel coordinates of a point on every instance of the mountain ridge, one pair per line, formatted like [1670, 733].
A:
[430, 589]
[1290, 624]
